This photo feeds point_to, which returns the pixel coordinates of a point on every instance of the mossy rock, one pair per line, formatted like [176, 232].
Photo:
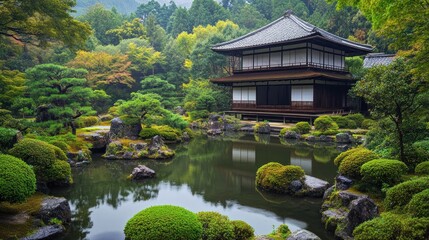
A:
[163, 222]
[276, 177]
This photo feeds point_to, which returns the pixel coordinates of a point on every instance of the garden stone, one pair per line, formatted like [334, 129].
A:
[324, 138]
[303, 235]
[361, 210]
[328, 192]
[118, 129]
[343, 183]
[264, 128]
[158, 150]
[343, 147]
[247, 128]
[55, 207]
[185, 137]
[46, 232]
[128, 155]
[295, 186]
[97, 139]
[344, 138]
[314, 187]
[292, 135]
[138, 146]
[311, 138]
[142, 172]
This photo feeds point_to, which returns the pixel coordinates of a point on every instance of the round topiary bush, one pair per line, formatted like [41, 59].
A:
[242, 230]
[7, 138]
[276, 177]
[163, 222]
[325, 123]
[216, 226]
[302, 127]
[379, 171]
[344, 122]
[59, 173]
[350, 165]
[341, 156]
[386, 227]
[399, 195]
[17, 179]
[419, 204]
[422, 168]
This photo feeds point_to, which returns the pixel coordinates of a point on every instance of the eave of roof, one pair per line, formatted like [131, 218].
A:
[283, 75]
[288, 28]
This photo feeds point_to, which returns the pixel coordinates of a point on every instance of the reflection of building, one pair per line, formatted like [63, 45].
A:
[289, 66]
[303, 161]
[243, 153]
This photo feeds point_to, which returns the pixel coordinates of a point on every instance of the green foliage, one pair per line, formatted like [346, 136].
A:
[383, 171]
[351, 164]
[386, 227]
[12, 86]
[302, 127]
[44, 158]
[419, 204]
[200, 114]
[399, 195]
[283, 131]
[277, 177]
[7, 138]
[17, 179]
[343, 155]
[154, 84]
[216, 226]
[259, 125]
[367, 123]
[147, 133]
[282, 232]
[89, 121]
[163, 222]
[344, 122]
[358, 118]
[242, 230]
[166, 132]
[422, 168]
[325, 125]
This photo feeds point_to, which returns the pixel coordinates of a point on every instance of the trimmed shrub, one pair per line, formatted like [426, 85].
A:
[383, 171]
[419, 204]
[344, 122]
[216, 226]
[277, 177]
[282, 232]
[325, 123]
[422, 168]
[414, 229]
[87, 121]
[350, 165]
[59, 172]
[168, 133]
[147, 133]
[368, 123]
[358, 118]
[283, 131]
[302, 127]
[242, 230]
[163, 222]
[61, 145]
[199, 114]
[382, 228]
[17, 179]
[340, 158]
[7, 138]
[401, 194]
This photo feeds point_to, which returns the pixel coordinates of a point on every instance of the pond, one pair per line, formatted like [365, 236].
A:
[207, 174]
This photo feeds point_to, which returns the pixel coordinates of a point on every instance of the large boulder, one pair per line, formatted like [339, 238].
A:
[303, 235]
[158, 150]
[142, 172]
[292, 135]
[344, 138]
[121, 129]
[262, 128]
[97, 139]
[343, 182]
[46, 233]
[55, 207]
[343, 211]
[117, 150]
[215, 125]
[313, 187]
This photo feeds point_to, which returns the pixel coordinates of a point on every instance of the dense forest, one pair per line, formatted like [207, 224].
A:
[65, 65]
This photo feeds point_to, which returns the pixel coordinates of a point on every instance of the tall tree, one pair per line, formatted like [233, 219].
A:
[129, 29]
[179, 22]
[203, 12]
[61, 90]
[39, 22]
[12, 86]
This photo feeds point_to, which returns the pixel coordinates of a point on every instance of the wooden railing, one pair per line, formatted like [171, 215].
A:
[252, 105]
[238, 69]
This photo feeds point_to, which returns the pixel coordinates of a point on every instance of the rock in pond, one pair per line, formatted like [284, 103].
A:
[344, 138]
[142, 172]
[313, 187]
[158, 150]
[120, 129]
[98, 139]
[343, 182]
[303, 235]
[262, 128]
[55, 207]
[292, 135]
[46, 233]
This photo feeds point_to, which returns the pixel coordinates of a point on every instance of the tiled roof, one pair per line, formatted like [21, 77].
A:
[374, 59]
[285, 29]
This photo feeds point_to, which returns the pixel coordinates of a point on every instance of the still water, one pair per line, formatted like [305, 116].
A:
[207, 174]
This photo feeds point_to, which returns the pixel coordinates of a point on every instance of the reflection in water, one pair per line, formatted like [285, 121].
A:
[207, 174]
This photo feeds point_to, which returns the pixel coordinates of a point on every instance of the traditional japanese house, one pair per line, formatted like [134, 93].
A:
[289, 67]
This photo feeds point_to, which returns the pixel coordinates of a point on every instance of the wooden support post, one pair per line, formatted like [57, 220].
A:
[284, 120]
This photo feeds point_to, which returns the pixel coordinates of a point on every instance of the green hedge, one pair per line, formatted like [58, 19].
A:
[277, 177]
[7, 138]
[422, 168]
[147, 133]
[302, 127]
[216, 226]
[59, 172]
[166, 132]
[382, 228]
[324, 124]
[383, 171]
[242, 230]
[344, 122]
[350, 165]
[401, 194]
[341, 156]
[163, 222]
[419, 204]
[17, 179]
[357, 118]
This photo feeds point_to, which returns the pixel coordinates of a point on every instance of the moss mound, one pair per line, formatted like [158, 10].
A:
[216, 226]
[277, 177]
[163, 222]
[17, 179]
[419, 204]
[325, 125]
[381, 228]
[340, 158]
[350, 165]
[7, 138]
[302, 127]
[383, 171]
[398, 196]
[282, 232]
[422, 168]
[242, 230]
